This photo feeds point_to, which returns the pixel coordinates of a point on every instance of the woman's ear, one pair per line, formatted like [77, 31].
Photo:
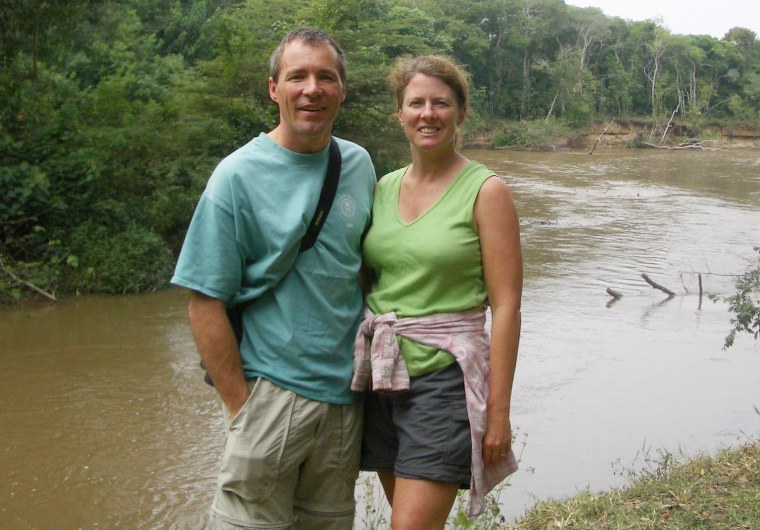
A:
[461, 117]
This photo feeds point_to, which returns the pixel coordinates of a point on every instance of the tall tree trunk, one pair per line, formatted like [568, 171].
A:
[35, 46]
[526, 85]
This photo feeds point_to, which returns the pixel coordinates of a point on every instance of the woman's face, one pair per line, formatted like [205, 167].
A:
[430, 113]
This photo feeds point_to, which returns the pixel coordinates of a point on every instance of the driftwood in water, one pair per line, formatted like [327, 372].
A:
[691, 143]
[614, 294]
[657, 285]
[600, 136]
[700, 290]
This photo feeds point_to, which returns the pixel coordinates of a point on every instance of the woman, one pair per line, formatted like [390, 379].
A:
[444, 243]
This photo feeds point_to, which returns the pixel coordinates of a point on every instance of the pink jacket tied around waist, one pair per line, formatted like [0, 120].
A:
[380, 367]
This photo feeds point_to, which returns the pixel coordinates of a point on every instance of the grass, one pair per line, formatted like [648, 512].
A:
[720, 492]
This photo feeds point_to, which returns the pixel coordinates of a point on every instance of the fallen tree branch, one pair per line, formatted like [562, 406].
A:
[657, 285]
[708, 273]
[667, 127]
[614, 294]
[600, 136]
[27, 284]
[691, 143]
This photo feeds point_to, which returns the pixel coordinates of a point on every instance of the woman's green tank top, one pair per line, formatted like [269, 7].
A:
[431, 265]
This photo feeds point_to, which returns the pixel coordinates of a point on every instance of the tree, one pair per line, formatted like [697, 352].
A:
[742, 37]
[653, 70]
[33, 28]
[571, 98]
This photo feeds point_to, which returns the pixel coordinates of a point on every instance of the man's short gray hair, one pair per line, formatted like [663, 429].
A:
[310, 36]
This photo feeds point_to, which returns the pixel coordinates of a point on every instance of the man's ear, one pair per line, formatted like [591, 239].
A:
[273, 90]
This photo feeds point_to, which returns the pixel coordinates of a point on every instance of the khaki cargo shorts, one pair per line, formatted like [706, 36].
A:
[288, 462]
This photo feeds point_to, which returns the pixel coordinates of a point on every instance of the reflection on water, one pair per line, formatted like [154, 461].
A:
[105, 422]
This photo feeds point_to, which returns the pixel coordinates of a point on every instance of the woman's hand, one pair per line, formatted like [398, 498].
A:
[497, 441]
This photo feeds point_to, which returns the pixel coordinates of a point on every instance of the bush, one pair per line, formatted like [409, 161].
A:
[20, 279]
[132, 261]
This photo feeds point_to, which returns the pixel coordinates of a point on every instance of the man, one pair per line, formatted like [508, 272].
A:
[293, 425]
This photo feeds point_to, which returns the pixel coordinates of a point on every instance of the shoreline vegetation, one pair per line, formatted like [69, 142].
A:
[720, 492]
[22, 282]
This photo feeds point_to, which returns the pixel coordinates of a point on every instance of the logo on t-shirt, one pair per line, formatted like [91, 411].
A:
[347, 206]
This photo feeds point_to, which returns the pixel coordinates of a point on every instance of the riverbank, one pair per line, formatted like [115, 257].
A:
[720, 492]
[540, 135]
[640, 133]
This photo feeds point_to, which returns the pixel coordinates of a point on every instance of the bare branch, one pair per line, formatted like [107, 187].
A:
[27, 284]
[657, 285]
[600, 136]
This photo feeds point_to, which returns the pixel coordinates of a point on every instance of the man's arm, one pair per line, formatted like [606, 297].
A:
[219, 349]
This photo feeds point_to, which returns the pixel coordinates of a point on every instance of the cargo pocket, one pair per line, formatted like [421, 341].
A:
[459, 447]
[251, 458]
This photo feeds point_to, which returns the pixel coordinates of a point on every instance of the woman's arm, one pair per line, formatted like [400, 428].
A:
[497, 220]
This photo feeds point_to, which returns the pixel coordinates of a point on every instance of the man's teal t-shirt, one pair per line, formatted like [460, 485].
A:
[243, 237]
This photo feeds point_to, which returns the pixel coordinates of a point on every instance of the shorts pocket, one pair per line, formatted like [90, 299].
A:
[459, 447]
[251, 459]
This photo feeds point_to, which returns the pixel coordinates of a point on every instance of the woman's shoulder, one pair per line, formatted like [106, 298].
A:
[477, 170]
[473, 176]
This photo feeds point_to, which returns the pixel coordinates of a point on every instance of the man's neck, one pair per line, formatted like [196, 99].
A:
[299, 144]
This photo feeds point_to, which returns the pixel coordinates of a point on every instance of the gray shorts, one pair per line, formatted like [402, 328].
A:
[422, 434]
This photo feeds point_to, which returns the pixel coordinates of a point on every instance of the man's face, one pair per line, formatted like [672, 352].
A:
[309, 92]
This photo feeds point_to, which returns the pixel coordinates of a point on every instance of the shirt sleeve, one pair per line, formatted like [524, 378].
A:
[210, 261]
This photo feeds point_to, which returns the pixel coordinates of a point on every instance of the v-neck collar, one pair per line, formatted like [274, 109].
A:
[435, 203]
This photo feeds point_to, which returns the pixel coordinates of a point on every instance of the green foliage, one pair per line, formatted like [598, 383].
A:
[115, 112]
[717, 492]
[17, 277]
[130, 261]
[490, 519]
[745, 304]
[538, 135]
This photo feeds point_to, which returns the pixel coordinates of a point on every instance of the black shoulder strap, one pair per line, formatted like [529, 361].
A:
[326, 197]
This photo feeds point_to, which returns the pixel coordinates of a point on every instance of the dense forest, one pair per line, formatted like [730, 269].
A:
[114, 112]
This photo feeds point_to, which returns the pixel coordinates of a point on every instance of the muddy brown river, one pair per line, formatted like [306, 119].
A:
[105, 422]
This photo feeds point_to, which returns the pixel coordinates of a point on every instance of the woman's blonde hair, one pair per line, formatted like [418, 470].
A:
[439, 66]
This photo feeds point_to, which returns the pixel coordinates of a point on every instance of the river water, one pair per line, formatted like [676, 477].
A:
[105, 423]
